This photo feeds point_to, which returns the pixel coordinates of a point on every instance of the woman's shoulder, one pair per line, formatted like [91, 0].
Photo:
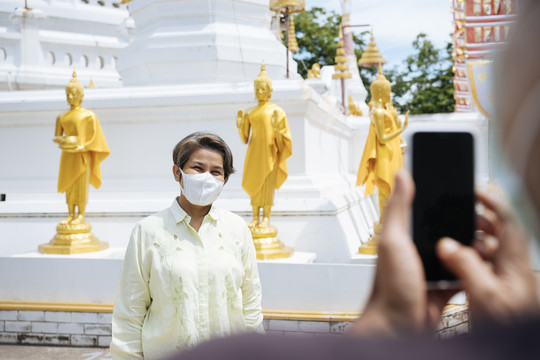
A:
[156, 220]
[230, 219]
[228, 215]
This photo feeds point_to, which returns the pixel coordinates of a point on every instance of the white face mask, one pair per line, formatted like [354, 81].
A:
[200, 189]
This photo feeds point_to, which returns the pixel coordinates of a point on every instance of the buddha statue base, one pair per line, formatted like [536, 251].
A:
[267, 244]
[370, 248]
[73, 239]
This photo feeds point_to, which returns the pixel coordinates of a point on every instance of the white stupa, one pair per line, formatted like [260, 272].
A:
[40, 44]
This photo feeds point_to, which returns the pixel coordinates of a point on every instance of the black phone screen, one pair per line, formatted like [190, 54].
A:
[443, 171]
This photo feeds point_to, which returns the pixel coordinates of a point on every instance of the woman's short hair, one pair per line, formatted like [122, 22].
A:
[199, 140]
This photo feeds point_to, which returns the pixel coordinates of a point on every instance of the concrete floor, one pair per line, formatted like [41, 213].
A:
[27, 352]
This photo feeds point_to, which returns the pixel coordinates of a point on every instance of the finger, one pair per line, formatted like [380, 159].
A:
[512, 237]
[437, 301]
[433, 316]
[398, 208]
[394, 242]
[486, 223]
[486, 245]
[465, 263]
[495, 204]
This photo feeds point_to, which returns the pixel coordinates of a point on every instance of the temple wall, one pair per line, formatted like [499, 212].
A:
[142, 125]
[93, 329]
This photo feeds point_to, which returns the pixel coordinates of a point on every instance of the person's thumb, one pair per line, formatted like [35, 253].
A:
[465, 263]
[397, 213]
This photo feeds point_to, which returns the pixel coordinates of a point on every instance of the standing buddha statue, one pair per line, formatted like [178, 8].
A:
[265, 167]
[382, 156]
[78, 134]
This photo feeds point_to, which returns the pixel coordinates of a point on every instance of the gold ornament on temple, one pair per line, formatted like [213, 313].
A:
[371, 56]
[265, 170]
[91, 85]
[293, 42]
[382, 156]
[290, 6]
[342, 65]
[78, 134]
[314, 72]
[287, 7]
[353, 109]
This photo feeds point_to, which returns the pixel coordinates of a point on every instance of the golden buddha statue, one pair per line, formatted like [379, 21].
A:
[265, 167]
[394, 113]
[382, 155]
[353, 109]
[78, 134]
[314, 72]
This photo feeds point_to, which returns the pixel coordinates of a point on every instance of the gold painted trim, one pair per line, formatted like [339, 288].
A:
[472, 82]
[309, 315]
[108, 308]
[55, 306]
[267, 314]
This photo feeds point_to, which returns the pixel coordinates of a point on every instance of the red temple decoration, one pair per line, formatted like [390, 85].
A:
[480, 27]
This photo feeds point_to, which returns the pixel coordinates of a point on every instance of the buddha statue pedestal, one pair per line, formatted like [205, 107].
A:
[267, 244]
[73, 239]
[370, 248]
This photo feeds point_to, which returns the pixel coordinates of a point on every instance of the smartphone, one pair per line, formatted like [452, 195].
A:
[442, 166]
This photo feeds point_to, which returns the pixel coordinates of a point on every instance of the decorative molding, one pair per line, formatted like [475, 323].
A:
[108, 308]
[267, 314]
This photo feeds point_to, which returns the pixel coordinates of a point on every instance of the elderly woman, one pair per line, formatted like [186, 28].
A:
[190, 271]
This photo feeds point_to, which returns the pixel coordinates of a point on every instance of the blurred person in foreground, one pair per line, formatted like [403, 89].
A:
[496, 273]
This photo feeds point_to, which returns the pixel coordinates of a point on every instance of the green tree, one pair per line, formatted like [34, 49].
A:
[317, 33]
[423, 85]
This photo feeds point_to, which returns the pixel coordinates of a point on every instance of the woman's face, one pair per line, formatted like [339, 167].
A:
[201, 161]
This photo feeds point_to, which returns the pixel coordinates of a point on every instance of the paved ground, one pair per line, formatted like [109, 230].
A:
[26, 352]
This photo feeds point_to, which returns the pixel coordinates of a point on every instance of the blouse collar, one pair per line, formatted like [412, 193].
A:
[180, 215]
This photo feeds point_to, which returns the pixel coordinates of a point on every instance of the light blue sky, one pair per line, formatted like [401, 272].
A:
[397, 22]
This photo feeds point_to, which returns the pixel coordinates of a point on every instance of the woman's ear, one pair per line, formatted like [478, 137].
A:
[176, 172]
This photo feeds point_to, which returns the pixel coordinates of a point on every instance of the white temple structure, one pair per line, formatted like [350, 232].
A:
[164, 69]
[41, 43]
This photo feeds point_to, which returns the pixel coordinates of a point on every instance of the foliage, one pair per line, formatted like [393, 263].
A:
[426, 84]
[423, 85]
[317, 33]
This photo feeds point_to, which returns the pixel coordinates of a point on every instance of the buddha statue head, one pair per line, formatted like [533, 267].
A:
[380, 88]
[263, 85]
[74, 91]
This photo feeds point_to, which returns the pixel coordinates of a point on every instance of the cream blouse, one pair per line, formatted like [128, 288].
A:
[179, 287]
